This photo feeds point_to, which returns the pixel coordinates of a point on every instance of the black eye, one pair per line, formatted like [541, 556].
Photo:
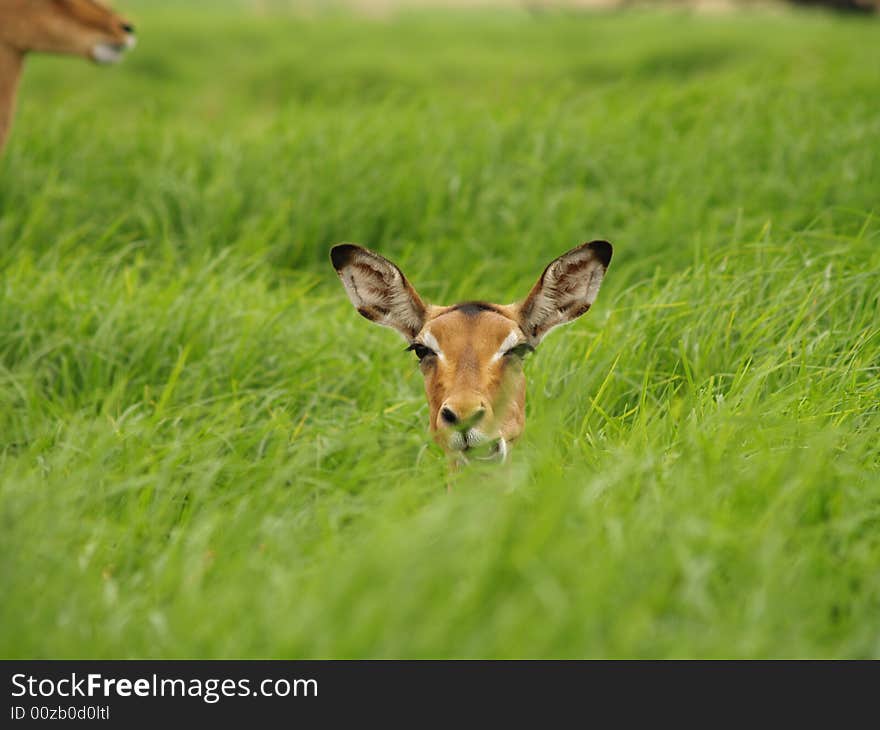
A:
[520, 351]
[420, 350]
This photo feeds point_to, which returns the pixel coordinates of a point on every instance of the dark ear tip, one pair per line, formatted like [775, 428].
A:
[341, 254]
[603, 251]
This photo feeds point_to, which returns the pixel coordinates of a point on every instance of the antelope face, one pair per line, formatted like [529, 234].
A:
[73, 27]
[471, 356]
[471, 353]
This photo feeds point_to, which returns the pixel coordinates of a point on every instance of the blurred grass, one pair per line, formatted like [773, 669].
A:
[204, 452]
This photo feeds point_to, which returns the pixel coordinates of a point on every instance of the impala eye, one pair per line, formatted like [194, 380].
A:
[520, 351]
[420, 350]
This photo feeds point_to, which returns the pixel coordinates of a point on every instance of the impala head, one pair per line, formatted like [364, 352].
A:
[471, 353]
[73, 27]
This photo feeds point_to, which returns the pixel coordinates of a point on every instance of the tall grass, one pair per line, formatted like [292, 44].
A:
[204, 452]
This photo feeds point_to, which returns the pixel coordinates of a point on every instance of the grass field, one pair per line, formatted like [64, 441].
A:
[205, 452]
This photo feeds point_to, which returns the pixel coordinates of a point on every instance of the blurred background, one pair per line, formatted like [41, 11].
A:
[205, 452]
[384, 6]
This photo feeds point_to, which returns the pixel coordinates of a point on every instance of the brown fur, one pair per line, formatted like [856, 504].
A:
[471, 352]
[70, 27]
[467, 379]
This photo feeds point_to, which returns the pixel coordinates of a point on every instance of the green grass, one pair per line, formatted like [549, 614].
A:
[205, 452]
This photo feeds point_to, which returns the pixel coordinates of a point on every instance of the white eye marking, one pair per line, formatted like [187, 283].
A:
[509, 342]
[431, 341]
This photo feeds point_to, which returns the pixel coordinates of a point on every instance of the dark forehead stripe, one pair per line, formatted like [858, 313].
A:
[472, 309]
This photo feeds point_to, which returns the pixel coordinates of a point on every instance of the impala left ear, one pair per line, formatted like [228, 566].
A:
[566, 290]
[378, 289]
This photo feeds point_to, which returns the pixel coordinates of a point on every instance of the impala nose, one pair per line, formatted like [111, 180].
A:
[448, 415]
[462, 418]
[127, 28]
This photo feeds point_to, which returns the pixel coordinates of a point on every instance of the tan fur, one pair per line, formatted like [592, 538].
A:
[467, 378]
[472, 352]
[70, 27]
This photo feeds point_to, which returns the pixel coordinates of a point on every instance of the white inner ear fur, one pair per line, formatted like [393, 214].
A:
[564, 296]
[401, 311]
[560, 289]
[383, 288]
[509, 341]
[596, 278]
[430, 341]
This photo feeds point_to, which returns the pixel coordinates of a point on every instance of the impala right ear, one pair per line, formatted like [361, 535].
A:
[566, 290]
[378, 289]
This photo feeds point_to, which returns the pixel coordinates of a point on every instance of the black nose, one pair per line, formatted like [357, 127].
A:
[449, 416]
[128, 28]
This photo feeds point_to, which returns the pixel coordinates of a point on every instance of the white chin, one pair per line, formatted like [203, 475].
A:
[479, 447]
[457, 441]
[108, 53]
[497, 452]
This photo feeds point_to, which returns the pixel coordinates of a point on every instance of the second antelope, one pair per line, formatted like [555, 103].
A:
[72, 27]
[471, 353]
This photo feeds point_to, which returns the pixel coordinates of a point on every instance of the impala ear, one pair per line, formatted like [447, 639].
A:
[566, 290]
[378, 289]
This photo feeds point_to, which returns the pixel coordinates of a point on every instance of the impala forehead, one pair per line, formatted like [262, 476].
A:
[486, 332]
